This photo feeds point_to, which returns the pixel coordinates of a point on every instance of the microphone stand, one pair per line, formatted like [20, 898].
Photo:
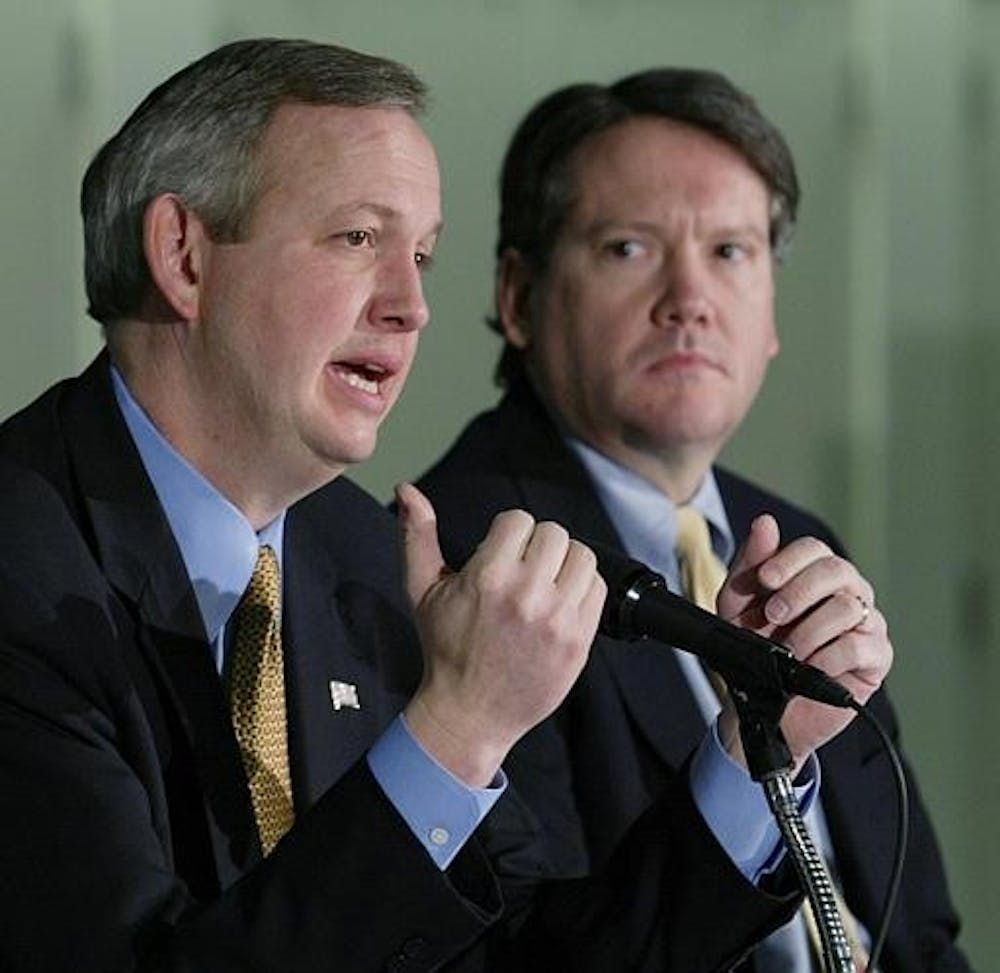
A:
[639, 605]
[770, 763]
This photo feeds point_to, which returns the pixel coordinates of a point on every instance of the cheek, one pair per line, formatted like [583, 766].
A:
[403, 374]
[582, 328]
[317, 319]
[765, 315]
[582, 316]
[563, 355]
[756, 368]
[753, 333]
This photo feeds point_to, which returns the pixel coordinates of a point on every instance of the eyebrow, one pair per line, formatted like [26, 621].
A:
[746, 229]
[600, 226]
[383, 212]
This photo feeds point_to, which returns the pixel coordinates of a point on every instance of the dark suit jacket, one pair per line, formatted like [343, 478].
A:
[631, 719]
[128, 840]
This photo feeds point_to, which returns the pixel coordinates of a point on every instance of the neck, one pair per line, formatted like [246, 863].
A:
[677, 473]
[676, 469]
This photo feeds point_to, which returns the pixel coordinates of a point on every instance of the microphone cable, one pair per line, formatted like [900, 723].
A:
[902, 833]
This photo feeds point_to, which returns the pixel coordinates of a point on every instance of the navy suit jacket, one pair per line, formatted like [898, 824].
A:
[631, 720]
[127, 839]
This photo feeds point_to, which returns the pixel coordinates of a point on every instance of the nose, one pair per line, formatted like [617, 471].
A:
[399, 303]
[684, 294]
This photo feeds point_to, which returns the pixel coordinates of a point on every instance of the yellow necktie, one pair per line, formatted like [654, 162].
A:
[257, 700]
[702, 575]
[702, 572]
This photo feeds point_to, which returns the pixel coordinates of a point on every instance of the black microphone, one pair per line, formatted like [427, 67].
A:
[640, 605]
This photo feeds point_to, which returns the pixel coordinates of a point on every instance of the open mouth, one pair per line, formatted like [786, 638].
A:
[365, 376]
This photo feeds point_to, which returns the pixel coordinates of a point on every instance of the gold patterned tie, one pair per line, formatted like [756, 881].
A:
[702, 574]
[257, 700]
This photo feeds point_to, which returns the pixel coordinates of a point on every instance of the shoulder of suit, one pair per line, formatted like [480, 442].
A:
[342, 506]
[795, 520]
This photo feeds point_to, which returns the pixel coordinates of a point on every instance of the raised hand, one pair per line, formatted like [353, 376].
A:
[819, 605]
[503, 639]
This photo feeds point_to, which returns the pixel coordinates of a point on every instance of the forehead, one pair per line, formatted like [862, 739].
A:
[377, 151]
[656, 162]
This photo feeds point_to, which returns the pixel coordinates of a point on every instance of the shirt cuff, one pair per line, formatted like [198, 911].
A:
[736, 811]
[441, 810]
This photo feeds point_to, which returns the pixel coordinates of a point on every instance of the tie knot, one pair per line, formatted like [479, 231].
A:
[693, 537]
[263, 594]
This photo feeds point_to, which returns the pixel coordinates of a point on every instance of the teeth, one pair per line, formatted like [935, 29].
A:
[360, 382]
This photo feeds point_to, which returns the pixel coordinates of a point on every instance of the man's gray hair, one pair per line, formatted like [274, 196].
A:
[198, 135]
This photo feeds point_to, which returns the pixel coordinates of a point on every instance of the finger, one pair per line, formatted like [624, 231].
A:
[578, 572]
[858, 660]
[546, 549]
[592, 606]
[742, 586]
[582, 592]
[865, 607]
[421, 549]
[817, 577]
[791, 560]
[760, 546]
[832, 618]
[505, 543]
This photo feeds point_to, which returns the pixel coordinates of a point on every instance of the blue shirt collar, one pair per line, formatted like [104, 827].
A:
[645, 517]
[218, 544]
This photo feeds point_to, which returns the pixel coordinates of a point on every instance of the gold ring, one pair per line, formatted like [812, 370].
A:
[866, 611]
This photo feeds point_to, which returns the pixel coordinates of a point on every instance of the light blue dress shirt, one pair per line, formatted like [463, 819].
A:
[219, 548]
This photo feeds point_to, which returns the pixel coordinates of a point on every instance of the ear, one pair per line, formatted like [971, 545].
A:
[513, 297]
[174, 239]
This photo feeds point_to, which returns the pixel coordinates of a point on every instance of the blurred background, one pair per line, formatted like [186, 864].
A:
[882, 411]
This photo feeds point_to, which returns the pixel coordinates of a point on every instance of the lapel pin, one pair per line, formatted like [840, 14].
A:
[344, 694]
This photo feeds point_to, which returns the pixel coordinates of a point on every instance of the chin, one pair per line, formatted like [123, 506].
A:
[328, 460]
[342, 438]
[350, 454]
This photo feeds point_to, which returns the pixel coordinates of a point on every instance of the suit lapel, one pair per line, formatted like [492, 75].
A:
[351, 653]
[334, 698]
[650, 679]
[142, 562]
[741, 505]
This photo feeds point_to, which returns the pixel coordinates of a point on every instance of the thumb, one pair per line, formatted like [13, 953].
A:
[742, 587]
[421, 550]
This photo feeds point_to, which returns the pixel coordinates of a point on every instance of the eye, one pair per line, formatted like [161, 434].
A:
[359, 238]
[624, 249]
[423, 260]
[731, 250]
